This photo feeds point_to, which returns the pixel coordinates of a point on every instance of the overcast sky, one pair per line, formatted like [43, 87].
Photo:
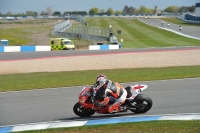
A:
[21, 6]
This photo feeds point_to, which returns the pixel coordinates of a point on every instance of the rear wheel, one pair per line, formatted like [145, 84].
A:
[81, 111]
[141, 104]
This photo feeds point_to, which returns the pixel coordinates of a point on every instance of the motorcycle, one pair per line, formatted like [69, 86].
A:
[135, 102]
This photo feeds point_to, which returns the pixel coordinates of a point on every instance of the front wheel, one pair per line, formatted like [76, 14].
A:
[81, 111]
[141, 104]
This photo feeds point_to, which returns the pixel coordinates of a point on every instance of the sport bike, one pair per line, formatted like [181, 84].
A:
[135, 102]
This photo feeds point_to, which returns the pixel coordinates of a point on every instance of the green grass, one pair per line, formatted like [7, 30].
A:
[22, 35]
[136, 127]
[75, 78]
[179, 22]
[15, 35]
[134, 33]
[20, 32]
[139, 35]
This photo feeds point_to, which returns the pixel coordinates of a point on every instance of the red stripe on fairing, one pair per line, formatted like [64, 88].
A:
[136, 52]
[138, 87]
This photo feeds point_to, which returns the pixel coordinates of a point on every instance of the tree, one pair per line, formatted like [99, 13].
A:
[56, 13]
[66, 13]
[43, 13]
[144, 10]
[169, 9]
[183, 9]
[30, 13]
[74, 13]
[110, 11]
[192, 8]
[118, 12]
[131, 10]
[187, 9]
[102, 11]
[93, 11]
[9, 13]
[49, 11]
[172, 9]
[20, 14]
[126, 10]
[83, 13]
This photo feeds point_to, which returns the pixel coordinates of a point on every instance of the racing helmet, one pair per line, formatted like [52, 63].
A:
[101, 76]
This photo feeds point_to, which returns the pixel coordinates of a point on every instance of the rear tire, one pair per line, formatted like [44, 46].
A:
[81, 111]
[141, 104]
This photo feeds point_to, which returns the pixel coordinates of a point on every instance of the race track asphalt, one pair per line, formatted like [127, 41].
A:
[188, 30]
[169, 97]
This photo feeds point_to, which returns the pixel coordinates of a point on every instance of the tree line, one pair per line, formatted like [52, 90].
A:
[175, 9]
[141, 10]
[109, 11]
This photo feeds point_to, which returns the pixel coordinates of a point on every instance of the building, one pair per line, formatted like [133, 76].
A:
[197, 10]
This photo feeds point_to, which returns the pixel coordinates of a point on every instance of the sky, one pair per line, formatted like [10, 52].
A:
[21, 6]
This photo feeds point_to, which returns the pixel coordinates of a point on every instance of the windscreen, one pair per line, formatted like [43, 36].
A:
[67, 42]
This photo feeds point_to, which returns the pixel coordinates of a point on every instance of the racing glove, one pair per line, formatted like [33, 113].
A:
[93, 91]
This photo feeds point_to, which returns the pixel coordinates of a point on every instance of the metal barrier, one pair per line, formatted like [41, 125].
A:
[61, 27]
[65, 29]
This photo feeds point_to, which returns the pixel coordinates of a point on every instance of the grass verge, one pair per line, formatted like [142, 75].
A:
[29, 81]
[134, 33]
[20, 32]
[139, 35]
[179, 22]
[136, 127]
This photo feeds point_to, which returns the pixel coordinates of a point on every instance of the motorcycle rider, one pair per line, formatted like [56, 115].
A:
[106, 88]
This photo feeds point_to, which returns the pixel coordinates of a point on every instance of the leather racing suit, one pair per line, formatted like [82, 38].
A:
[106, 88]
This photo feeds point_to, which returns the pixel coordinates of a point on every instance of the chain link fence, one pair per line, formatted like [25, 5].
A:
[87, 33]
[80, 19]
[61, 27]
[83, 32]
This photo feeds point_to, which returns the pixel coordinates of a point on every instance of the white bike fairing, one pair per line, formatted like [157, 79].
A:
[136, 89]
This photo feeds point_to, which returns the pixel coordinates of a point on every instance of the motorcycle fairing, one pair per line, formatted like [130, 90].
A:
[133, 91]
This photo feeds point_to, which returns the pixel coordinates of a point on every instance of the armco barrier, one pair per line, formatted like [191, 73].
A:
[104, 47]
[24, 48]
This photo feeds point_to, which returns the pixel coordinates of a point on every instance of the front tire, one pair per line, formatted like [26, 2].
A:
[141, 104]
[81, 111]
